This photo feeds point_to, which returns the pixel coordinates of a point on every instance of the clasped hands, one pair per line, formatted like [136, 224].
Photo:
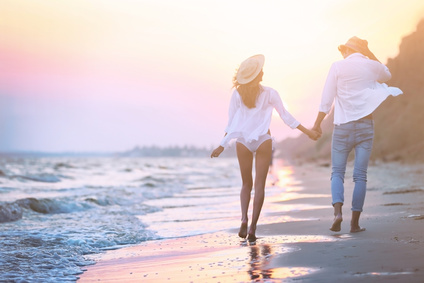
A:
[315, 133]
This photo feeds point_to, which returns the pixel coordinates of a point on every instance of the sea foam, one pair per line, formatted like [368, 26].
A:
[54, 212]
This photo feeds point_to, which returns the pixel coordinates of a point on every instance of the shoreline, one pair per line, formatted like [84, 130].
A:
[390, 249]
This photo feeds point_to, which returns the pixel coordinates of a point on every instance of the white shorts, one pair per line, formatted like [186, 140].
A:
[255, 144]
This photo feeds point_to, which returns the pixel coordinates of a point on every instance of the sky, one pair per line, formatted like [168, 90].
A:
[109, 75]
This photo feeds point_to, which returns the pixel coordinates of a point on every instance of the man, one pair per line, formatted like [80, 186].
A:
[355, 86]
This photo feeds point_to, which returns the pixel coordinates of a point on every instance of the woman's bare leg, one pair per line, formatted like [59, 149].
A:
[263, 159]
[245, 158]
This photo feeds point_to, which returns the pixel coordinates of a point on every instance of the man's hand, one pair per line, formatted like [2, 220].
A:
[317, 128]
[314, 135]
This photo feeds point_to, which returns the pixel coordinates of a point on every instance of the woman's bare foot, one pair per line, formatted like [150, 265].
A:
[252, 237]
[337, 224]
[356, 229]
[243, 230]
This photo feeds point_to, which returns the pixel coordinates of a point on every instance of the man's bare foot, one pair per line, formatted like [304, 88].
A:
[243, 230]
[337, 224]
[356, 229]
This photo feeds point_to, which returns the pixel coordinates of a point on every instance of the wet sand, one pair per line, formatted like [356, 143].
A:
[390, 250]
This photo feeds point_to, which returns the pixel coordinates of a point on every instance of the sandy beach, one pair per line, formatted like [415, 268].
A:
[301, 249]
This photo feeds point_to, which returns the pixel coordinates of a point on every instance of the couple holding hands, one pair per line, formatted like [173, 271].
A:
[355, 85]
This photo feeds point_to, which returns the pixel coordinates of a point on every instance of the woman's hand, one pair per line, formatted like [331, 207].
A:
[217, 151]
[313, 135]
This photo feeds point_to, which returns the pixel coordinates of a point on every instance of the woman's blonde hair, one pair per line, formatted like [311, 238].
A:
[250, 91]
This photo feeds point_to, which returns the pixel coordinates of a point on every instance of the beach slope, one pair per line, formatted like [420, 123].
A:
[300, 249]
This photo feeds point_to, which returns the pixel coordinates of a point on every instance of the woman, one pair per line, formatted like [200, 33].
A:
[355, 86]
[250, 112]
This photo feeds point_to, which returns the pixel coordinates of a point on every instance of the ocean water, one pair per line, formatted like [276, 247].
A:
[56, 211]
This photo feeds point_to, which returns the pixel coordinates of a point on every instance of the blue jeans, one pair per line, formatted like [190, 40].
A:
[356, 135]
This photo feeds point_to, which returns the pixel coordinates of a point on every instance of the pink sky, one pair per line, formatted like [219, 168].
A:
[109, 75]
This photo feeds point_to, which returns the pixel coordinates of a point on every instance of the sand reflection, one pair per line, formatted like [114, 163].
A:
[260, 268]
[259, 261]
[283, 177]
[290, 272]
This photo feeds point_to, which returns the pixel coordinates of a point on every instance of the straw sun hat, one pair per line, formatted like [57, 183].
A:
[355, 43]
[250, 68]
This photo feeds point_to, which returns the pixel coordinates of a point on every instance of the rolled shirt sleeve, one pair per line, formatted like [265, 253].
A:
[285, 115]
[232, 109]
[384, 75]
[330, 90]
